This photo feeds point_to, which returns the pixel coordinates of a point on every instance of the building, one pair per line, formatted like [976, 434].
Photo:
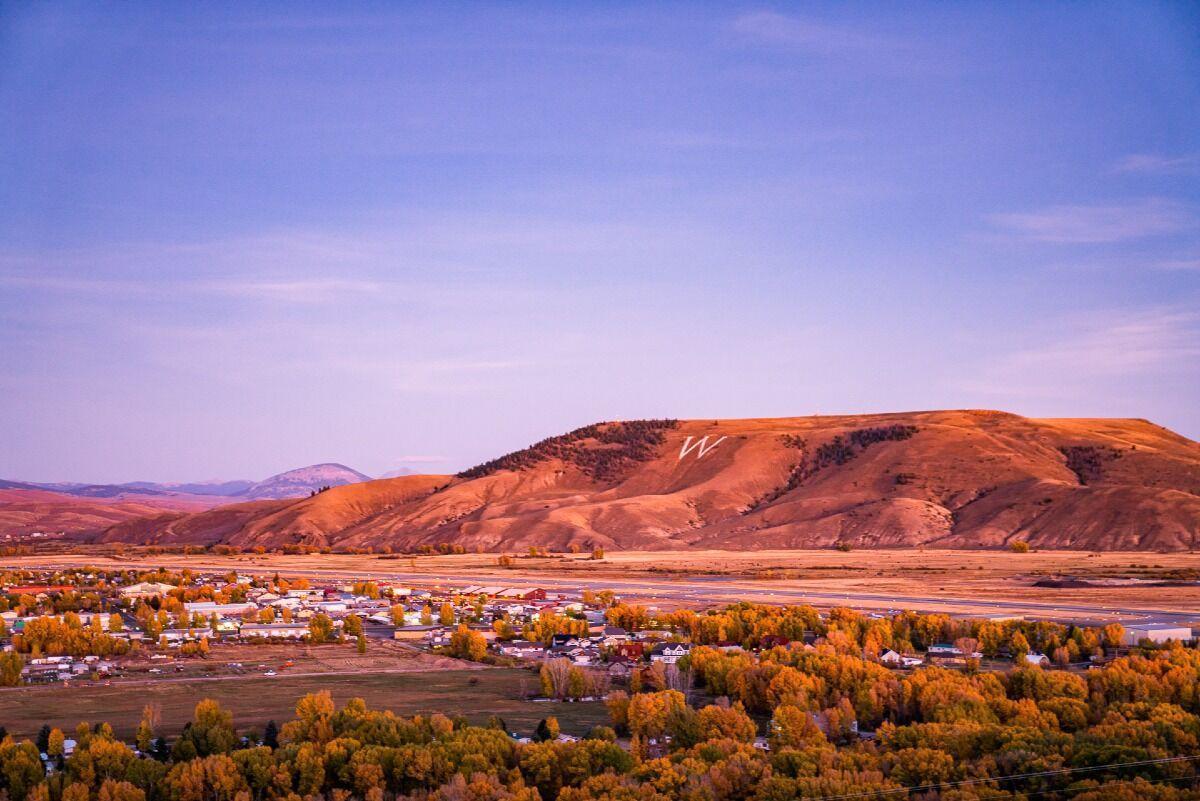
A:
[523, 649]
[524, 593]
[632, 651]
[614, 635]
[894, 659]
[146, 589]
[1156, 633]
[284, 631]
[669, 652]
[207, 608]
[411, 632]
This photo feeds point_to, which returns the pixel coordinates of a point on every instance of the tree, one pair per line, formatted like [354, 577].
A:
[446, 614]
[1114, 635]
[145, 729]
[597, 553]
[792, 727]
[271, 735]
[1018, 644]
[467, 644]
[426, 615]
[320, 628]
[11, 665]
[211, 731]
[352, 626]
[547, 729]
[362, 643]
[54, 743]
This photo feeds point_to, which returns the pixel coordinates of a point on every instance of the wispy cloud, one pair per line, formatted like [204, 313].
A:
[1158, 164]
[298, 290]
[1070, 224]
[1185, 265]
[1095, 351]
[770, 27]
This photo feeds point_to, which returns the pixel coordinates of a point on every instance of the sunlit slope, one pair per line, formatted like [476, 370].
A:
[941, 479]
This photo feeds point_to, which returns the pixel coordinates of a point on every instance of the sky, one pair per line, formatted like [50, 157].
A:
[238, 238]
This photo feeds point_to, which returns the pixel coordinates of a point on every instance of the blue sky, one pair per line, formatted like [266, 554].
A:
[239, 238]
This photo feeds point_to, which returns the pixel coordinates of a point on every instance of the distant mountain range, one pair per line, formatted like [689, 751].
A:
[73, 507]
[293, 484]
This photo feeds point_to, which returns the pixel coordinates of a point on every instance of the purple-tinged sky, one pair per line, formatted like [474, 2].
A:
[238, 238]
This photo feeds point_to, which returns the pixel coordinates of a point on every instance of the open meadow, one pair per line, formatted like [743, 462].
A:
[256, 699]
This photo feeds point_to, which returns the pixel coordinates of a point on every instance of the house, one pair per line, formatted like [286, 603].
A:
[437, 638]
[652, 634]
[943, 649]
[283, 631]
[1034, 658]
[614, 634]
[562, 642]
[523, 649]
[584, 654]
[774, 641]
[670, 652]
[896, 660]
[1156, 633]
[633, 651]
[620, 668]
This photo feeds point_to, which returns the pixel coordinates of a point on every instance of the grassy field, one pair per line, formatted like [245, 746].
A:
[254, 700]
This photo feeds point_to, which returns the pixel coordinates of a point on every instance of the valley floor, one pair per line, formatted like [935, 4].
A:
[1123, 586]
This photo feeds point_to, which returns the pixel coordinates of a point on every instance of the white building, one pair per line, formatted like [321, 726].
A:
[1155, 632]
[670, 652]
[146, 589]
[287, 631]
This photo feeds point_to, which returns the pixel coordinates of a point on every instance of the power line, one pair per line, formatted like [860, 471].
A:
[1011, 777]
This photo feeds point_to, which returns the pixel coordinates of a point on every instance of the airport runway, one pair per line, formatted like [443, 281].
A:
[719, 589]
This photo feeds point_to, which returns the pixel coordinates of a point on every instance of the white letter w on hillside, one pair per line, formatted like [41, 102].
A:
[701, 447]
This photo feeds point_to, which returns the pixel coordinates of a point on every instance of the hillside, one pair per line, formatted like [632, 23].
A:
[937, 479]
[26, 510]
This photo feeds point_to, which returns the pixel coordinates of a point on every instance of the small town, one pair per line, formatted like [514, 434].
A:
[100, 625]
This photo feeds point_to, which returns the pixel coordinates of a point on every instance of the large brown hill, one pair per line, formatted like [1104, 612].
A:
[939, 479]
